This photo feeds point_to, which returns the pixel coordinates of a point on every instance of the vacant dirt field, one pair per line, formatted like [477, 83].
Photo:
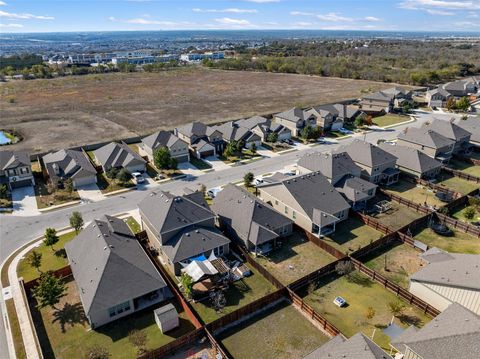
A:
[69, 111]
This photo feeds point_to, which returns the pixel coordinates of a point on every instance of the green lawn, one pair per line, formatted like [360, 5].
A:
[239, 294]
[245, 155]
[415, 193]
[278, 333]
[458, 184]
[295, 259]
[133, 225]
[351, 235]
[390, 119]
[465, 167]
[107, 185]
[51, 260]
[459, 243]
[398, 216]
[397, 262]
[460, 215]
[45, 199]
[360, 293]
[64, 333]
[200, 164]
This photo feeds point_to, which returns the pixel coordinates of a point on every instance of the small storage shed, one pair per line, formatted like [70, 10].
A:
[166, 317]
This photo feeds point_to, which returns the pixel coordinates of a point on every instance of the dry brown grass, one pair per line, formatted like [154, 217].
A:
[69, 111]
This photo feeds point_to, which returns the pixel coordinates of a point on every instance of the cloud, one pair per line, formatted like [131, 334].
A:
[24, 16]
[11, 25]
[145, 20]
[439, 12]
[302, 24]
[230, 21]
[473, 15]
[301, 13]
[467, 24]
[333, 17]
[440, 4]
[372, 19]
[231, 10]
[2, 3]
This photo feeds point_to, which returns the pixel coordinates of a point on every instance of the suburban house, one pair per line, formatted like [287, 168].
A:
[16, 169]
[386, 100]
[309, 200]
[413, 161]
[70, 164]
[203, 140]
[448, 278]
[472, 125]
[181, 228]
[400, 96]
[264, 127]
[378, 166]
[437, 97]
[429, 142]
[113, 274]
[461, 88]
[250, 221]
[232, 132]
[450, 130]
[177, 148]
[342, 172]
[119, 155]
[296, 119]
[357, 347]
[327, 117]
[454, 333]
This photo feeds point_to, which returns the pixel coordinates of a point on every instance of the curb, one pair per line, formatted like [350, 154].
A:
[60, 206]
[109, 194]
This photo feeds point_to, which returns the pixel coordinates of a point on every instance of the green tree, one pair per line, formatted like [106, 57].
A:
[123, 176]
[112, 173]
[451, 104]
[253, 148]
[359, 121]
[307, 133]
[139, 339]
[51, 238]
[162, 158]
[396, 307]
[3, 191]
[76, 221]
[34, 259]
[248, 179]
[469, 212]
[49, 290]
[229, 150]
[272, 137]
[187, 284]
[97, 352]
[173, 163]
[463, 104]
[68, 183]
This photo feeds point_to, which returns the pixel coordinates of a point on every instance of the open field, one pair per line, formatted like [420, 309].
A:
[360, 293]
[396, 262]
[459, 243]
[64, 333]
[279, 333]
[295, 259]
[51, 259]
[76, 110]
[239, 293]
[351, 235]
[415, 193]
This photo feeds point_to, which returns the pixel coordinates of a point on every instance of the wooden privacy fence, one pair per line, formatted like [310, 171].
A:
[461, 174]
[59, 273]
[395, 288]
[372, 222]
[433, 186]
[299, 303]
[313, 276]
[218, 347]
[406, 239]
[417, 207]
[323, 245]
[462, 226]
[467, 159]
[172, 285]
[374, 245]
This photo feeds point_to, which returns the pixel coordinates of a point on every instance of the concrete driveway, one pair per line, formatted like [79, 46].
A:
[216, 163]
[189, 169]
[24, 202]
[262, 151]
[90, 193]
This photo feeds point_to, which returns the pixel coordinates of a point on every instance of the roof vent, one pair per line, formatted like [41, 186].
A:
[94, 226]
[166, 201]
[187, 234]
[99, 235]
[105, 248]
[111, 246]
[197, 231]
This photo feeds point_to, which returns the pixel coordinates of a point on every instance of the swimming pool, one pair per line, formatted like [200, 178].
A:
[4, 139]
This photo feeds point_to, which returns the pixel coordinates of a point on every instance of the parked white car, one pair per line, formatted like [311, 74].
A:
[345, 131]
[258, 181]
[138, 177]
[212, 192]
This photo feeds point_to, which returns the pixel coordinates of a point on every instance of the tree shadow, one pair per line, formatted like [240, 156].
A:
[410, 320]
[359, 279]
[70, 314]
[61, 253]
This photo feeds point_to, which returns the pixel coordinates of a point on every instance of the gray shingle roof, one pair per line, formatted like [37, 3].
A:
[252, 122]
[115, 155]
[411, 158]
[367, 153]
[425, 137]
[460, 270]
[232, 132]
[357, 347]
[160, 139]
[165, 211]
[331, 165]
[355, 188]
[454, 333]
[440, 91]
[314, 194]
[247, 215]
[293, 115]
[448, 129]
[379, 96]
[109, 265]
[472, 125]
[13, 159]
[198, 129]
[69, 163]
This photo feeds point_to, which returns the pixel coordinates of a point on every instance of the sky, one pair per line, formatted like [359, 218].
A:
[115, 15]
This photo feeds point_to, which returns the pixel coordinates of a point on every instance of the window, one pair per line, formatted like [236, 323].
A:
[286, 210]
[276, 202]
[118, 309]
[294, 215]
